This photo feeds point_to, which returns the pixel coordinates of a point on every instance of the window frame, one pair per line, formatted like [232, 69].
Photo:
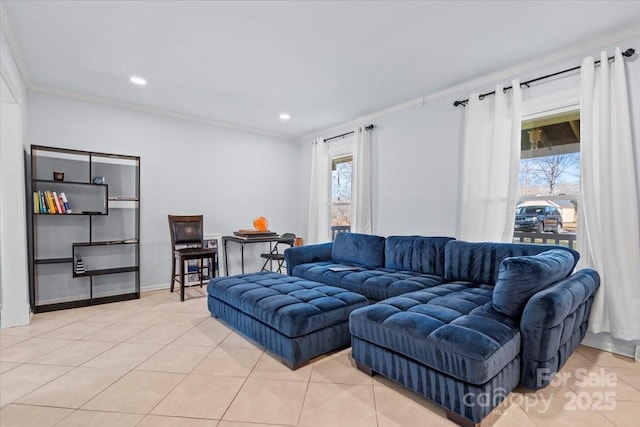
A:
[339, 149]
[549, 105]
[558, 103]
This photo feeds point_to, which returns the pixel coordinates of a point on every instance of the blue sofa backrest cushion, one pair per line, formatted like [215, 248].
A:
[416, 253]
[480, 262]
[362, 249]
[522, 277]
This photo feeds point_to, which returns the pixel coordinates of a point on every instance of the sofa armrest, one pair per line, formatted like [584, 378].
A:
[305, 254]
[553, 323]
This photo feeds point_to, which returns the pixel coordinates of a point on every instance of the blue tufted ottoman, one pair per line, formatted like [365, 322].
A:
[296, 319]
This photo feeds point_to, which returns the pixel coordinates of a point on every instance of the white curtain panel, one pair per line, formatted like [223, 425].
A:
[320, 194]
[361, 183]
[491, 156]
[609, 235]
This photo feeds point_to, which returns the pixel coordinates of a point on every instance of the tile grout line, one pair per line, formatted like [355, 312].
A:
[245, 379]
[112, 383]
[306, 392]
[186, 374]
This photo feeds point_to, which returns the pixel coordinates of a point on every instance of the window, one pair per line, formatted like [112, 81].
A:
[341, 174]
[549, 178]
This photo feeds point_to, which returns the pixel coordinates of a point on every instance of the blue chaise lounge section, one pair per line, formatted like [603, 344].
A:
[460, 323]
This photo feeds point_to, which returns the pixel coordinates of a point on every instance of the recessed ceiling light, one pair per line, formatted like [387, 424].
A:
[285, 116]
[136, 80]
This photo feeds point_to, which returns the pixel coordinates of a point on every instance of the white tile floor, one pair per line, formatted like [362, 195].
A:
[159, 362]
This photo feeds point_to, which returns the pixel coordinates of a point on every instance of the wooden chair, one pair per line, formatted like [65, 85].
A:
[275, 255]
[187, 243]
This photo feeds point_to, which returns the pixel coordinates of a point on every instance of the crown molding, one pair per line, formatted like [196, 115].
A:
[78, 96]
[5, 27]
[11, 85]
[585, 48]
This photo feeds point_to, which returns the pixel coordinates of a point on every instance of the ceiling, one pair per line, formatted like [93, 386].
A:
[325, 63]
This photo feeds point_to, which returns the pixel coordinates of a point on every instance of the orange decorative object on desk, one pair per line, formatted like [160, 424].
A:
[261, 223]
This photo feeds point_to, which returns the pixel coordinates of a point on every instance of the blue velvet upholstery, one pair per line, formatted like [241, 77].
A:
[416, 253]
[480, 262]
[306, 254]
[451, 328]
[290, 305]
[294, 352]
[553, 323]
[522, 277]
[295, 318]
[471, 401]
[375, 284]
[410, 263]
[360, 249]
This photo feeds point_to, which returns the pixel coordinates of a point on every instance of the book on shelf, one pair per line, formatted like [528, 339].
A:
[43, 205]
[56, 200]
[64, 208]
[50, 203]
[66, 203]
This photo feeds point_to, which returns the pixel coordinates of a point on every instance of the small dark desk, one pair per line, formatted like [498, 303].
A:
[243, 241]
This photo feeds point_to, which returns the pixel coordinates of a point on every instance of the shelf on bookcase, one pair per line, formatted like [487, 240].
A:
[124, 199]
[70, 214]
[123, 204]
[53, 260]
[107, 242]
[51, 181]
[106, 271]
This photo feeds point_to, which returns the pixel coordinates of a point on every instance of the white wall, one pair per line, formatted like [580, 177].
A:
[415, 171]
[227, 175]
[14, 300]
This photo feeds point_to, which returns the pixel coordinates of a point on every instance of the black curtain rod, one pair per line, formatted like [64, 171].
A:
[370, 127]
[627, 53]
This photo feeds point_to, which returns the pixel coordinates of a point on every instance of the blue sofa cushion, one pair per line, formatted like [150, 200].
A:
[291, 305]
[452, 328]
[376, 284]
[415, 253]
[362, 249]
[522, 277]
[480, 262]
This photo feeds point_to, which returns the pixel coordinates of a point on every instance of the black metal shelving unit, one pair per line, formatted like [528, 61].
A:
[103, 225]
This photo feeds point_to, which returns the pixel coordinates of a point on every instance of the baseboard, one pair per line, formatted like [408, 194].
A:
[604, 341]
[156, 287]
[165, 286]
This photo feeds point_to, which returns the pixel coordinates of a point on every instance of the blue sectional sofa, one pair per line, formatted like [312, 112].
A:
[460, 323]
[373, 266]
